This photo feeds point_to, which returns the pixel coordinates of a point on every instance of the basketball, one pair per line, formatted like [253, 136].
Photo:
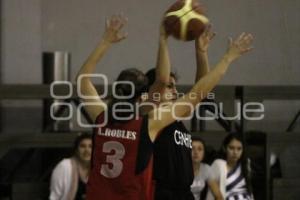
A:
[185, 20]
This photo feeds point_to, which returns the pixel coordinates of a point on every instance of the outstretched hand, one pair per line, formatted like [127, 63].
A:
[240, 46]
[203, 41]
[113, 29]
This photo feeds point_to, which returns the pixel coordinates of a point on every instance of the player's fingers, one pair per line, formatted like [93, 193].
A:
[208, 29]
[122, 36]
[247, 50]
[107, 22]
[212, 35]
[241, 36]
[230, 42]
[247, 40]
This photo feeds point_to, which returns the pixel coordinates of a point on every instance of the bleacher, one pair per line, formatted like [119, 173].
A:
[27, 158]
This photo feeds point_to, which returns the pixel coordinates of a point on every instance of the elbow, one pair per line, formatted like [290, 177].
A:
[77, 78]
[82, 79]
[78, 75]
[83, 83]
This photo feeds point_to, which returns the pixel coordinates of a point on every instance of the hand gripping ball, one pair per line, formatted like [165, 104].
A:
[185, 20]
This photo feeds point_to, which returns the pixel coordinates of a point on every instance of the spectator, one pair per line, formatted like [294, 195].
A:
[70, 175]
[202, 172]
[232, 171]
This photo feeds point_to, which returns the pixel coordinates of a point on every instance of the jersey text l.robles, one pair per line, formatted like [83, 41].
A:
[117, 133]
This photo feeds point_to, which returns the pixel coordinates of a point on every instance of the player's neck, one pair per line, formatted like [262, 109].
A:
[145, 109]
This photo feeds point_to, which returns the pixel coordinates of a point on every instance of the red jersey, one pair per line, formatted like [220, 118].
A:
[121, 162]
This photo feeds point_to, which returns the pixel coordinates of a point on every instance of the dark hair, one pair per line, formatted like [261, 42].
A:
[243, 160]
[199, 139]
[139, 81]
[151, 75]
[78, 140]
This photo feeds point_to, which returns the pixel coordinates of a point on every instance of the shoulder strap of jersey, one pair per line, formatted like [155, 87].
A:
[145, 147]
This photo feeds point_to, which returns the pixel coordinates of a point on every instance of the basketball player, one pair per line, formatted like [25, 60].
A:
[122, 146]
[173, 170]
[118, 171]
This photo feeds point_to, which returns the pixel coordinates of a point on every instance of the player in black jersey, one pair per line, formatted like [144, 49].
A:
[173, 171]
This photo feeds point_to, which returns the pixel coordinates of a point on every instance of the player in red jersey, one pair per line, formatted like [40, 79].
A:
[121, 162]
[118, 170]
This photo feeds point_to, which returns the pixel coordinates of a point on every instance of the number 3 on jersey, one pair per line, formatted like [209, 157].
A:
[113, 160]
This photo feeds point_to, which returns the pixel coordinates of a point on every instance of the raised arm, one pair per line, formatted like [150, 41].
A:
[111, 35]
[163, 66]
[237, 48]
[201, 47]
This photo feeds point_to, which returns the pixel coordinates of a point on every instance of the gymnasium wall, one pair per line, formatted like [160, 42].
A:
[30, 27]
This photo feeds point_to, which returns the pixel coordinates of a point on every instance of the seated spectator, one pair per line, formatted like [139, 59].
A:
[70, 175]
[202, 172]
[232, 171]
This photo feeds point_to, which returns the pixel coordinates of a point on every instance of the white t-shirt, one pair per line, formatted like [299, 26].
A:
[205, 174]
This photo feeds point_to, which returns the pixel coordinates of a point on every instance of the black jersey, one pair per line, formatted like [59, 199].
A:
[173, 167]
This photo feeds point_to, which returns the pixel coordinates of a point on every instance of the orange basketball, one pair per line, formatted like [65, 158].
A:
[185, 20]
